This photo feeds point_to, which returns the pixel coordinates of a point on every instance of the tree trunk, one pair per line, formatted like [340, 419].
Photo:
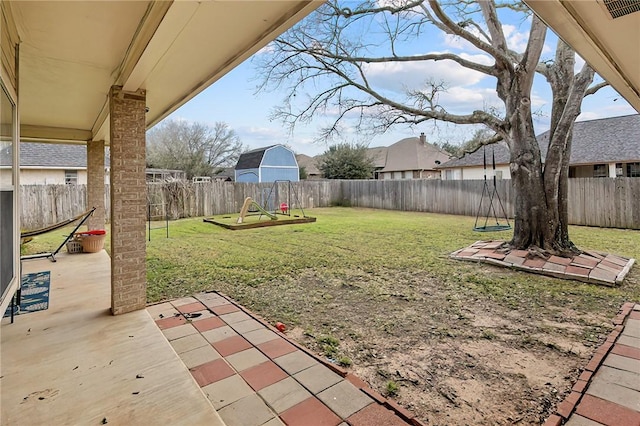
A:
[531, 208]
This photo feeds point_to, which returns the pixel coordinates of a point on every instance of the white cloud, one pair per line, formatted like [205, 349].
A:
[400, 76]
[463, 100]
[537, 101]
[269, 48]
[256, 137]
[516, 40]
[611, 110]
[459, 43]
[579, 63]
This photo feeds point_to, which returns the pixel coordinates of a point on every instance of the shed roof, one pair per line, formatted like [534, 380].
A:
[413, 154]
[605, 140]
[251, 159]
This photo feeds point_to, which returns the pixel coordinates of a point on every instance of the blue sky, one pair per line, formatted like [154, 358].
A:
[232, 99]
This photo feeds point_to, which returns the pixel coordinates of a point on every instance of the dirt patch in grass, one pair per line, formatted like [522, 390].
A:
[457, 343]
[457, 359]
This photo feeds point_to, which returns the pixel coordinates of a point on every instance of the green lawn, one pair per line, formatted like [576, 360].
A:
[380, 283]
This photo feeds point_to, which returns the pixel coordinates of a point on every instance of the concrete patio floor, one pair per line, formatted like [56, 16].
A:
[75, 363]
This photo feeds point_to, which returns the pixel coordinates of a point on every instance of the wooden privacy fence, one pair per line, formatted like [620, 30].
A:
[604, 202]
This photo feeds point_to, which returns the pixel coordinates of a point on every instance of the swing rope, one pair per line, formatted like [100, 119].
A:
[491, 195]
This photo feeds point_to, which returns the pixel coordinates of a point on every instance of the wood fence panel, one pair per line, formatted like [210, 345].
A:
[601, 202]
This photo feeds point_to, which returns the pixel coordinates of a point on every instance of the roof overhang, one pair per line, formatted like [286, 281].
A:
[71, 53]
[609, 45]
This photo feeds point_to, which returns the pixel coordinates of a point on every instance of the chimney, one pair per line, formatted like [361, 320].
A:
[423, 138]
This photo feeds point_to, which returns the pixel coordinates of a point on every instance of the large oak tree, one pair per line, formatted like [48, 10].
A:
[329, 56]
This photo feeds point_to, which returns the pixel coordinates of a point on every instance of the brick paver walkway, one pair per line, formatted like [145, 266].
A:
[254, 375]
[608, 390]
[590, 266]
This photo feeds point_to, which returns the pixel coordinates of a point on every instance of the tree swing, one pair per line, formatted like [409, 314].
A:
[491, 195]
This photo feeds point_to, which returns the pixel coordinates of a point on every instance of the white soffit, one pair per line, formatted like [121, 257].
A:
[69, 52]
[72, 52]
[609, 45]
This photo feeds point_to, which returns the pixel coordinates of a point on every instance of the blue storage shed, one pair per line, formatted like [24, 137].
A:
[268, 164]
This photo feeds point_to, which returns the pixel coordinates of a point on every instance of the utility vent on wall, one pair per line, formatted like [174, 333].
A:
[619, 8]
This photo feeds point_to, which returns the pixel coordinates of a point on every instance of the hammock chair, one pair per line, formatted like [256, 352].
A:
[27, 234]
[491, 195]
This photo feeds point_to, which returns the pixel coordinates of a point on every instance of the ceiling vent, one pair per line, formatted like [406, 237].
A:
[619, 8]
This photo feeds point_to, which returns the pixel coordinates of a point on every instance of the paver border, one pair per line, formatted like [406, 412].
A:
[566, 407]
[489, 252]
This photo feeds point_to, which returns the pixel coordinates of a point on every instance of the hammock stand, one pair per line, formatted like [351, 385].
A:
[52, 255]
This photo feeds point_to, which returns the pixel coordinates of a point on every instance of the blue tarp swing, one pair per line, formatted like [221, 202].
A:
[491, 195]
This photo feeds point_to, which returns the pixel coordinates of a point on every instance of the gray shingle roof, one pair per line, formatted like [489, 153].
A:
[34, 154]
[605, 140]
[476, 158]
[378, 155]
[309, 163]
[413, 154]
[251, 159]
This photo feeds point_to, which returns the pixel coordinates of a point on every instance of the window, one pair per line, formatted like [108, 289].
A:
[403, 175]
[633, 170]
[448, 175]
[71, 177]
[498, 174]
[619, 170]
[600, 170]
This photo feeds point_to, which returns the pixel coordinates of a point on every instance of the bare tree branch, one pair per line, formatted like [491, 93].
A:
[531, 57]
[593, 89]
[499, 55]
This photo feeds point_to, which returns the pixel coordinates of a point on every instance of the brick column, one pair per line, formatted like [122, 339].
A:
[95, 183]
[128, 201]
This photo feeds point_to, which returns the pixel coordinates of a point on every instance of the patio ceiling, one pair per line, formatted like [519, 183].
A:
[609, 45]
[71, 53]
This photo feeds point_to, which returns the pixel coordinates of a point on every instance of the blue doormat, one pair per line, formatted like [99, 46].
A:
[34, 294]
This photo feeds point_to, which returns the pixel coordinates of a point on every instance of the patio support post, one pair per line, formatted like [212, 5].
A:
[95, 184]
[128, 200]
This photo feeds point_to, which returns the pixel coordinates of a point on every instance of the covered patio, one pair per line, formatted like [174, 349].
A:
[75, 363]
[100, 73]
[200, 360]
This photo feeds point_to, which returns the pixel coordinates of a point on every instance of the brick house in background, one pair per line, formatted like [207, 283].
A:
[409, 158]
[51, 164]
[606, 147]
[310, 165]
[413, 158]
[59, 164]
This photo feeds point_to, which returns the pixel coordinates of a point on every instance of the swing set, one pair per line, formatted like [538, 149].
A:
[491, 195]
[277, 201]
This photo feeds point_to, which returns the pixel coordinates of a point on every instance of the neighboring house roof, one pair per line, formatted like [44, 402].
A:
[226, 172]
[379, 156]
[604, 140]
[309, 164]
[413, 154]
[251, 159]
[476, 158]
[49, 155]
